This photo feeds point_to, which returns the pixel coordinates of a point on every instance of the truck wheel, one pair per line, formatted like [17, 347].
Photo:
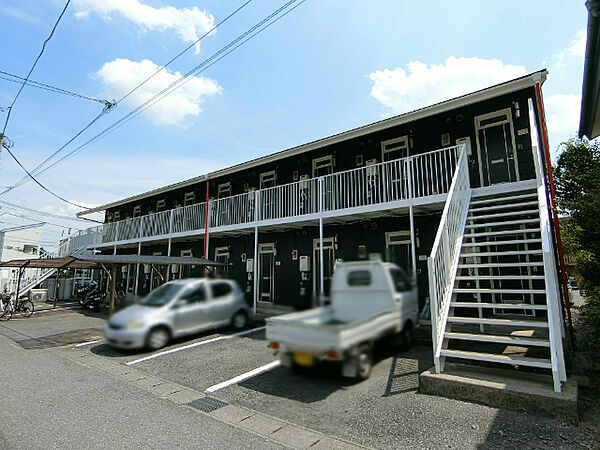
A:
[364, 362]
[407, 337]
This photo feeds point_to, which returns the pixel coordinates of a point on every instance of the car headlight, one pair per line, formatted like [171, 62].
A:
[134, 324]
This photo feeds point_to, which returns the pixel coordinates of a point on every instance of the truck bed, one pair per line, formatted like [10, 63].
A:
[316, 330]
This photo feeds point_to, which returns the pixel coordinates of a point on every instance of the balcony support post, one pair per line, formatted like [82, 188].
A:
[170, 232]
[413, 246]
[255, 261]
[321, 265]
[137, 269]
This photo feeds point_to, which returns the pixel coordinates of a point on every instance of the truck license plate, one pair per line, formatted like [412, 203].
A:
[304, 359]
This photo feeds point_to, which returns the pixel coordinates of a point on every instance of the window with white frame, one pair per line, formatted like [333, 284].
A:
[222, 256]
[137, 211]
[322, 166]
[189, 198]
[268, 179]
[394, 149]
[161, 205]
[224, 190]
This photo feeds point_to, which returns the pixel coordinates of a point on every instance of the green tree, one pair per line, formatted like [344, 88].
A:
[577, 180]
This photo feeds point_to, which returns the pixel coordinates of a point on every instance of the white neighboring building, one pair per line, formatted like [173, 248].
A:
[22, 242]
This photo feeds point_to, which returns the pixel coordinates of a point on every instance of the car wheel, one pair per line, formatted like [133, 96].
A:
[364, 362]
[158, 338]
[239, 320]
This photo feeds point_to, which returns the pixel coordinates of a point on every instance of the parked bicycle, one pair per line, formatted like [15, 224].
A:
[22, 306]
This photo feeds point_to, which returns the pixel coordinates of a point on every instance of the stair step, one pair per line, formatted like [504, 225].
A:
[498, 339]
[508, 253]
[524, 264]
[503, 322]
[497, 305]
[503, 232]
[499, 277]
[501, 199]
[508, 214]
[508, 222]
[497, 291]
[504, 359]
[500, 207]
[494, 243]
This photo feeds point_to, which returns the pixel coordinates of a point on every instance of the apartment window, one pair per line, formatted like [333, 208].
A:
[268, 179]
[189, 198]
[117, 215]
[394, 149]
[137, 211]
[160, 205]
[322, 166]
[224, 190]
[222, 256]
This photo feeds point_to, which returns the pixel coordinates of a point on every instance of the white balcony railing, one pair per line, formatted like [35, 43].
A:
[416, 176]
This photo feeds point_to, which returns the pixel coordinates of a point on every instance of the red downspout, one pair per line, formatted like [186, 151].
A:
[205, 254]
[561, 255]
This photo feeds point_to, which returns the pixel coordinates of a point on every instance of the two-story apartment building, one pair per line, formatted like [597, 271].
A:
[408, 189]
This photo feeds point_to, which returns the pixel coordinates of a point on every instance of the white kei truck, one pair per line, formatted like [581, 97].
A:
[370, 300]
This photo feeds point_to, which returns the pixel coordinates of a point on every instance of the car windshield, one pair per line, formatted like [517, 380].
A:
[162, 295]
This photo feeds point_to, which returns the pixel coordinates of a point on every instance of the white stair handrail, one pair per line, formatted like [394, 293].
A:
[445, 254]
[555, 320]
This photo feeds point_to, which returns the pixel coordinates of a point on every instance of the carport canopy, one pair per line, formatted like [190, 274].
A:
[101, 262]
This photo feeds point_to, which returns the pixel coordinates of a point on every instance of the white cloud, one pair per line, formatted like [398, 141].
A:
[121, 75]
[562, 116]
[574, 52]
[189, 23]
[421, 85]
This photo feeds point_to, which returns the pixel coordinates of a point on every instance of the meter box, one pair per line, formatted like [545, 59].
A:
[304, 262]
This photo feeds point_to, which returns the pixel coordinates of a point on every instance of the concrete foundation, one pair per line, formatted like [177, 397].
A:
[503, 388]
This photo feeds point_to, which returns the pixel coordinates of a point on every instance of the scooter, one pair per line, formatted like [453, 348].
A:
[81, 292]
[94, 300]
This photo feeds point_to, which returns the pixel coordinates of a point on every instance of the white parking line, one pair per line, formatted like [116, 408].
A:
[242, 377]
[195, 344]
[87, 343]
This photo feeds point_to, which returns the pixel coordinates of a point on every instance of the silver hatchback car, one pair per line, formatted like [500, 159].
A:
[175, 309]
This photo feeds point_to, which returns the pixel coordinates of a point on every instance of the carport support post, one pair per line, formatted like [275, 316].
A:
[113, 282]
[56, 288]
[21, 270]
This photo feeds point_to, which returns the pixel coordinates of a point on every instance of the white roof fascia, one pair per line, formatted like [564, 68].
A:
[458, 102]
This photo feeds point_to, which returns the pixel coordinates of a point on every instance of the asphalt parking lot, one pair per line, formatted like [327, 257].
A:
[385, 411]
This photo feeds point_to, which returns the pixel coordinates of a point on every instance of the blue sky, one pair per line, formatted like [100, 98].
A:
[328, 66]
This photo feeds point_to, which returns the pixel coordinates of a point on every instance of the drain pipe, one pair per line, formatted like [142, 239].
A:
[205, 254]
[561, 255]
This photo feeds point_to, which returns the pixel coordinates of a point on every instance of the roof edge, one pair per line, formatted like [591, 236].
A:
[483, 94]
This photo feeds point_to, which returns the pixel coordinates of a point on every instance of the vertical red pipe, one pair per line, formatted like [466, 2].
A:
[561, 256]
[205, 254]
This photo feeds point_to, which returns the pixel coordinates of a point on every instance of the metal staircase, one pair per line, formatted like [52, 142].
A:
[498, 311]
[33, 277]
[493, 279]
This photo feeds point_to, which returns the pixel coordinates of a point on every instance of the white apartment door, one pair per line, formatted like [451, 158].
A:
[266, 273]
[398, 246]
[328, 262]
[496, 148]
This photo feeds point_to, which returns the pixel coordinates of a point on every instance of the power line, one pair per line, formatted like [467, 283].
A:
[108, 106]
[33, 66]
[252, 32]
[44, 213]
[36, 84]
[6, 146]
